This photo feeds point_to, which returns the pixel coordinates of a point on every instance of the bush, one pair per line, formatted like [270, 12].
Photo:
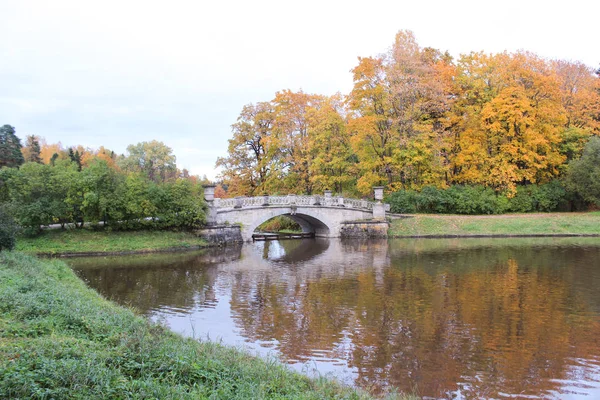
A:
[476, 200]
[583, 175]
[8, 230]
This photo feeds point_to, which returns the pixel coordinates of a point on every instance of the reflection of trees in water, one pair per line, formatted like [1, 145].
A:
[173, 281]
[484, 321]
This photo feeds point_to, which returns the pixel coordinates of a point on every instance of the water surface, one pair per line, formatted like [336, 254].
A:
[448, 318]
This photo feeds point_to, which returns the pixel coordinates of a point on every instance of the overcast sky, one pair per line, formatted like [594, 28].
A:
[114, 73]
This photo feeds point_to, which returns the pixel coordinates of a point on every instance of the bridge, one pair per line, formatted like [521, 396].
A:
[323, 216]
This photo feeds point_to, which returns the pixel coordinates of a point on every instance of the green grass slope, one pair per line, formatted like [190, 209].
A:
[512, 224]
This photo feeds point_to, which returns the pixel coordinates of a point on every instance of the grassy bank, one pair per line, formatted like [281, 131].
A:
[512, 224]
[60, 339]
[87, 241]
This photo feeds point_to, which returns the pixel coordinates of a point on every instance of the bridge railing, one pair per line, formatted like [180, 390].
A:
[316, 200]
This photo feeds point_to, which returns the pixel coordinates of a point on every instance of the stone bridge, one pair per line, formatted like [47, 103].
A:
[325, 216]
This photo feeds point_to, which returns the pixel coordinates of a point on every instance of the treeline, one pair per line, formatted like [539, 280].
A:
[140, 190]
[416, 118]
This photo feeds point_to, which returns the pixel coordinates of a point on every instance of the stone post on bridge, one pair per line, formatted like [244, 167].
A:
[328, 198]
[378, 207]
[209, 197]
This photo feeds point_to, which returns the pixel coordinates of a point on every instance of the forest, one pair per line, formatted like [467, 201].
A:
[500, 125]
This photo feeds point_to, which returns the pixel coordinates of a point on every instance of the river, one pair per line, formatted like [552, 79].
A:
[447, 318]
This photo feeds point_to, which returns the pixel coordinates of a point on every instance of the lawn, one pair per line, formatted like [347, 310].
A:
[505, 225]
[58, 241]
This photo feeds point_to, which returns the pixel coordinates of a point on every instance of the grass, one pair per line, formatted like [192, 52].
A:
[85, 241]
[60, 339]
[511, 224]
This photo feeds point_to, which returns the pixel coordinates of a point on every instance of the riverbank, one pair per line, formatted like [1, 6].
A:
[551, 224]
[60, 339]
[89, 242]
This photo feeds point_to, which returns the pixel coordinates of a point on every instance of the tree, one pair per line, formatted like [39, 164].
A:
[583, 175]
[75, 157]
[100, 186]
[332, 160]
[509, 121]
[248, 167]
[580, 95]
[42, 194]
[31, 151]
[291, 136]
[55, 151]
[154, 159]
[10, 147]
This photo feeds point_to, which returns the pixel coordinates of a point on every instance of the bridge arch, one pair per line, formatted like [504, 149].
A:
[308, 219]
[308, 223]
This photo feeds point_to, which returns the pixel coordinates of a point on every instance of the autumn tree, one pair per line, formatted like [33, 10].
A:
[291, 135]
[332, 161]
[510, 121]
[50, 151]
[249, 163]
[394, 105]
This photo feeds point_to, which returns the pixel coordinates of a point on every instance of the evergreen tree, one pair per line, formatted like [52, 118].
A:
[32, 151]
[10, 147]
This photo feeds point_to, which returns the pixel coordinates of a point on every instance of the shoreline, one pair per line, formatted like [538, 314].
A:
[124, 252]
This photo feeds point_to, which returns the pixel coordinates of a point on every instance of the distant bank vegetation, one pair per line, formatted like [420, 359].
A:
[140, 190]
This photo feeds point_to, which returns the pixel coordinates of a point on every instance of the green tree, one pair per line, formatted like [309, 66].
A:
[100, 187]
[154, 159]
[10, 147]
[75, 156]
[38, 195]
[583, 175]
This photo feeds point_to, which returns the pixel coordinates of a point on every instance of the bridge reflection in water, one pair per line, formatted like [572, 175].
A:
[482, 318]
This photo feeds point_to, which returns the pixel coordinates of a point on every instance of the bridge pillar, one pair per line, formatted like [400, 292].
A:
[378, 207]
[209, 197]
[328, 198]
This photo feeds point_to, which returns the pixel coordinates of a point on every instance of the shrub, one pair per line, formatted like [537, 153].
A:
[474, 200]
[8, 230]
[583, 175]
[403, 201]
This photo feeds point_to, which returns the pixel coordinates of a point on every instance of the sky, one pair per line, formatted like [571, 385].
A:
[115, 73]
